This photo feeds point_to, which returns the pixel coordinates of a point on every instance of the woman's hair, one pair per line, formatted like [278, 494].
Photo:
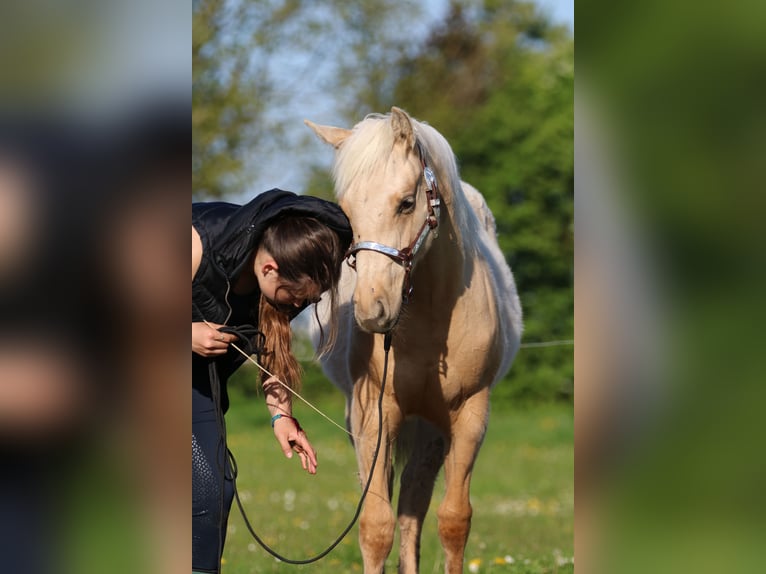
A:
[309, 256]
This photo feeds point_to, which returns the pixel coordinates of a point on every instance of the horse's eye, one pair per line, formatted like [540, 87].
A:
[407, 205]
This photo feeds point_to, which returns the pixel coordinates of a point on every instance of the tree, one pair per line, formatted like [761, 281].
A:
[252, 58]
[226, 96]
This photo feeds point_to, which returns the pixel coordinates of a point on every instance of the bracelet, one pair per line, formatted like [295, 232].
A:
[276, 417]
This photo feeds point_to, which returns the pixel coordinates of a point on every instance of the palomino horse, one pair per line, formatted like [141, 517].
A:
[417, 226]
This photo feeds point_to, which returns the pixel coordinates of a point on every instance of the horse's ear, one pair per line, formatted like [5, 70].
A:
[329, 134]
[402, 127]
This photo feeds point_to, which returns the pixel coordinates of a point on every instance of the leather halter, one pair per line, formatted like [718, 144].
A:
[404, 257]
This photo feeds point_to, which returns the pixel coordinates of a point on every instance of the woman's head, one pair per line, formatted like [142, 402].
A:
[298, 259]
[303, 261]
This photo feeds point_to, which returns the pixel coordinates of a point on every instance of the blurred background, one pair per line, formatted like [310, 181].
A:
[94, 407]
[669, 151]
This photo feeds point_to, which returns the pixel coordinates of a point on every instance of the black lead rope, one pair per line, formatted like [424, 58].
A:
[243, 334]
[253, 342]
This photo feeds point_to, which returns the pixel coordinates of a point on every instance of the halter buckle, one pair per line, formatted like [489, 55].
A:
[430, 178]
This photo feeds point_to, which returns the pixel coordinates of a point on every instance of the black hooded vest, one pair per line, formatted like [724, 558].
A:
[229, 234]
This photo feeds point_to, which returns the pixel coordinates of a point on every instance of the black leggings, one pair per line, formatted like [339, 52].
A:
[212, 486]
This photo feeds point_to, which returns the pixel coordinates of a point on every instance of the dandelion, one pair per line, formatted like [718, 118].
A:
[251, 547]
[499, 560]
[509, 559]
[474, 565]
[534, 505]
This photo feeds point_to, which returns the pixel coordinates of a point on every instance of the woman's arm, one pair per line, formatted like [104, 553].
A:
[196, 251]
[286, 430]
[206, 339]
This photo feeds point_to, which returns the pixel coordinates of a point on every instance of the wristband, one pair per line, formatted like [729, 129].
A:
[275, 418]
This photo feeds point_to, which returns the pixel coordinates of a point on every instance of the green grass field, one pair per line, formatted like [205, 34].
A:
[522, 494]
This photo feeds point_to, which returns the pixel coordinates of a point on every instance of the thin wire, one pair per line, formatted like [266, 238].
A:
[547, 344]
[293, 391]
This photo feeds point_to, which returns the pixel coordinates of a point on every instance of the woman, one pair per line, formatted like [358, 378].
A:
[259, 265]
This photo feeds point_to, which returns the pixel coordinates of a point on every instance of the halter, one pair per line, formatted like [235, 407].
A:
[404, 257]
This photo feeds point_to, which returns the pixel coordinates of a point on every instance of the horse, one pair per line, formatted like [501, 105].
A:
[449, 303]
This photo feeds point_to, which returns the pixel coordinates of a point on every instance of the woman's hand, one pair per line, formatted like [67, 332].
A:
[208, 341]
[292, 438]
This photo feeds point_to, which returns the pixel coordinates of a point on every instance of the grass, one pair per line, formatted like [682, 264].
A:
[522, 494]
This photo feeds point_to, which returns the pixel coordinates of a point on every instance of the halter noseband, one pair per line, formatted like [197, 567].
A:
[404, 257]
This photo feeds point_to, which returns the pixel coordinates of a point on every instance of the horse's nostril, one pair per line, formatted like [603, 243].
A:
[381, 309]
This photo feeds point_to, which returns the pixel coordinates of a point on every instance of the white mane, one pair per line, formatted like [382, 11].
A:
[370, 144]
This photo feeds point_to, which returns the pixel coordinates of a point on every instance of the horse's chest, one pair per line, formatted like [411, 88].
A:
[443, 372]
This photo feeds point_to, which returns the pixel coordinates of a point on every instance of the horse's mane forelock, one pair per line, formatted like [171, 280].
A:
[371, 142]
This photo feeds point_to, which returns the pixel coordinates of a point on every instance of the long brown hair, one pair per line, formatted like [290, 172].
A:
[309, 256]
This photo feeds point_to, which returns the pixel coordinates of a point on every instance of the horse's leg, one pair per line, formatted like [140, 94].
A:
[376, 522]
[468, 429]
[417, 485]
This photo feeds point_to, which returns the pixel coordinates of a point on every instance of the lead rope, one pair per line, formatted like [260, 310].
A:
[242, 334]
[342, 535]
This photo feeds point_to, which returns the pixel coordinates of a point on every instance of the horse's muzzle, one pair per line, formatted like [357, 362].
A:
[375, 316]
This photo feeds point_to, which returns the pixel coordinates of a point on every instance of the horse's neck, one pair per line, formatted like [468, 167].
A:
[443, 268]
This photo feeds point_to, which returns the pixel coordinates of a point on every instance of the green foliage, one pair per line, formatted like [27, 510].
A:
[225, 97]
[320, 184]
